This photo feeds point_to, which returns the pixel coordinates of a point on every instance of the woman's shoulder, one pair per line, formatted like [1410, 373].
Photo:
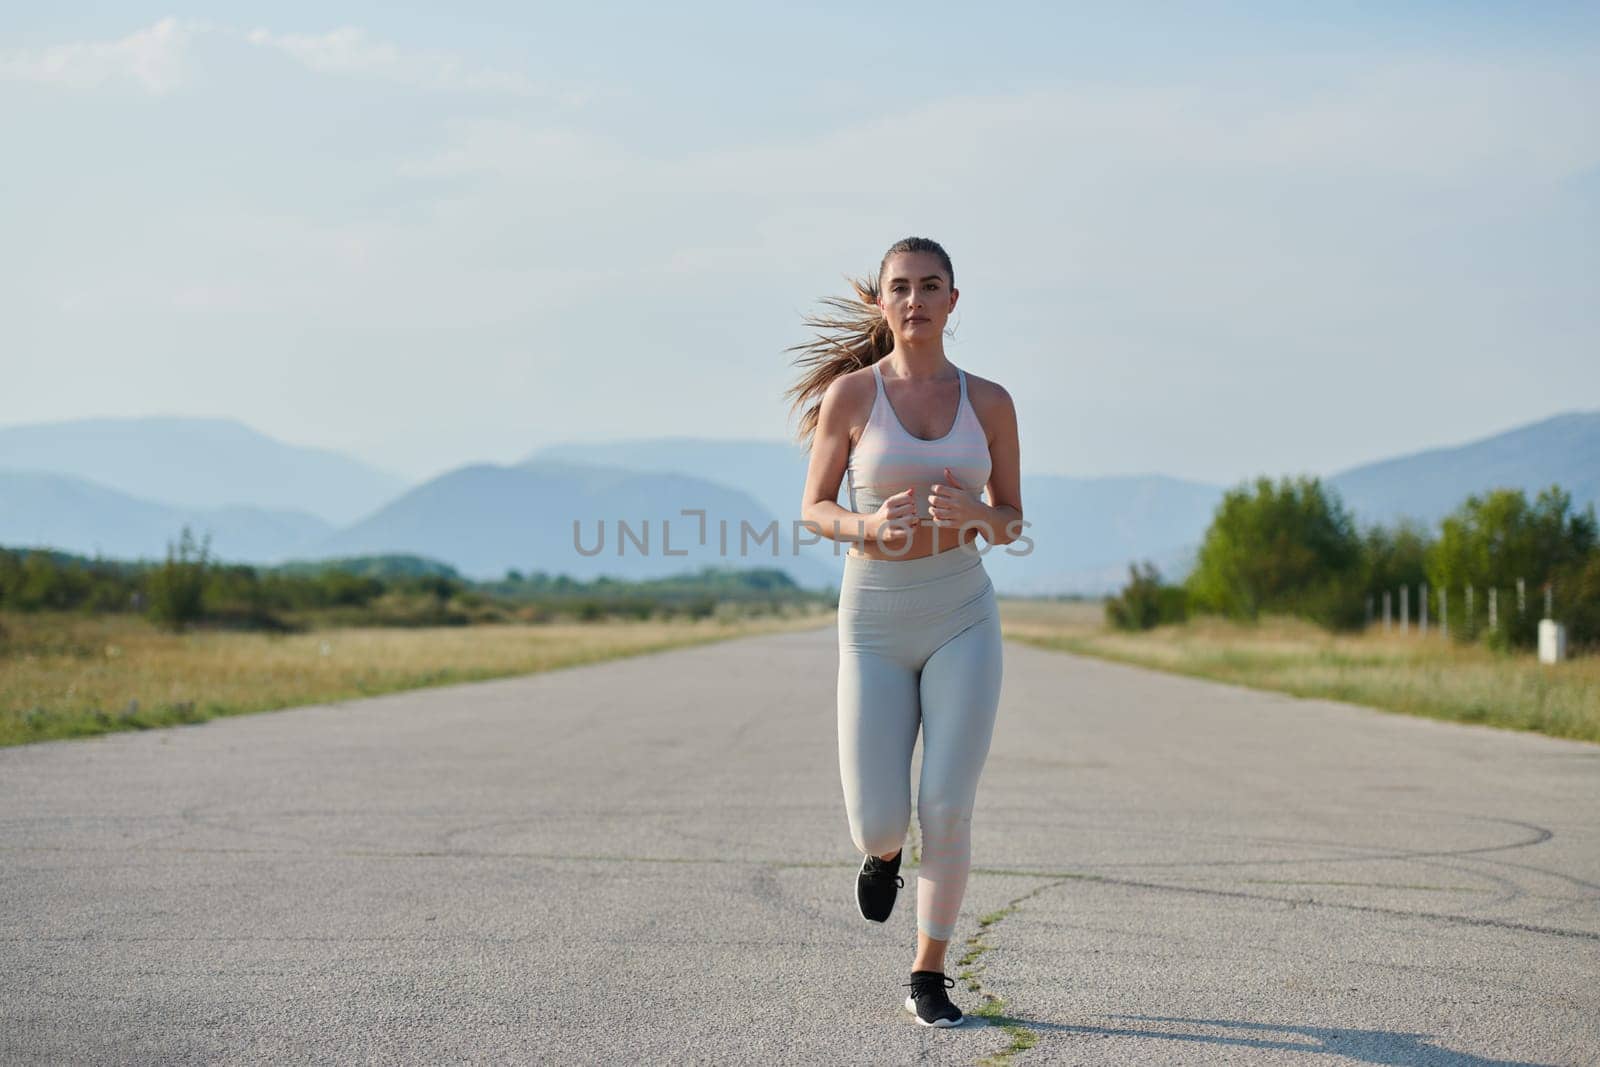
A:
[988, 396]
[853, 389]
[848, 402]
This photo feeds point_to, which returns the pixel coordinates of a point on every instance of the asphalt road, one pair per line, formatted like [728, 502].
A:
[648, 861]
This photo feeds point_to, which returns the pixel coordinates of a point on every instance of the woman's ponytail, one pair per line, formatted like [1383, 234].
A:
[855, 335]
[851, 334]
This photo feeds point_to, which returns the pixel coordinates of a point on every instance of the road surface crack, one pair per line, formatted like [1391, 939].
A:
[970, 969]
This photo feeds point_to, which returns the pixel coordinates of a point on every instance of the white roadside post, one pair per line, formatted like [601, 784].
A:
[1552, 635]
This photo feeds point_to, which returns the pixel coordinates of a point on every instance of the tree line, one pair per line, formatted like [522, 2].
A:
[191, 587]
[1292, 547]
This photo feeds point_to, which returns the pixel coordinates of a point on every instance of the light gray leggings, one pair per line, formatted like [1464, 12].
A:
[919, 645]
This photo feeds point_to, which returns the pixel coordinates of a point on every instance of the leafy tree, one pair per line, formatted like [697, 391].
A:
[1288, 546]
[1577, 600]
[1395, 557]
[45, 584]
[1492, 540]
[177, 588]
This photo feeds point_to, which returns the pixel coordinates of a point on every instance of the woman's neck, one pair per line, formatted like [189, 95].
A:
[920, 361]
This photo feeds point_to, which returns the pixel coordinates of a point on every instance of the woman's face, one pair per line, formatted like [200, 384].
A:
[916, 296]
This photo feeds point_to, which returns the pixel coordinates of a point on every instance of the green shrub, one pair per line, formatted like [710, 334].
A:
[1145, 602]
[177, 588]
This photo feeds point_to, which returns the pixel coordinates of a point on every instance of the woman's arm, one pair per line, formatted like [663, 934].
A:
[830, 453]
[1005, 466]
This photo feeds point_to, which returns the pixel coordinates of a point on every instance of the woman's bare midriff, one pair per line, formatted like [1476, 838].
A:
[923, 540]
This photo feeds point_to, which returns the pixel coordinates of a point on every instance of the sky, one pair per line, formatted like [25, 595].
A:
[1204, 240]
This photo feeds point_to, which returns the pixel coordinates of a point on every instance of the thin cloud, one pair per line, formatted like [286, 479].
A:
[1409, 124]
[155, 59]
[351, 52]
[152, 58]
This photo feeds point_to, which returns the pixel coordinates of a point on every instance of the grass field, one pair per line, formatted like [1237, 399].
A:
[1409, 674]
[69, 675]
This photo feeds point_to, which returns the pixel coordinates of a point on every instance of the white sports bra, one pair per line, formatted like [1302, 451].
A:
[888, 459]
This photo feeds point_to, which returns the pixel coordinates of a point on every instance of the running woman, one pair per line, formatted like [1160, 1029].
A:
[919, 631]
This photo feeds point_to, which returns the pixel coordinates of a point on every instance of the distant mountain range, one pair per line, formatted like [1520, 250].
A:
[39, 509]
[124, 488]
[485, 519]
[1426, 486]
[1079, 526]
[201, 464]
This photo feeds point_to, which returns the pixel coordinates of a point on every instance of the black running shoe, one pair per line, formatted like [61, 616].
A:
[876, 886]
[928, 1002]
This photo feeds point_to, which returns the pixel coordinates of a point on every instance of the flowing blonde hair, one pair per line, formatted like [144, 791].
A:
[852, 333]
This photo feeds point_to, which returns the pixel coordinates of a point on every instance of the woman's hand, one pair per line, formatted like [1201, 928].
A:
[952, 506]
[896, 519]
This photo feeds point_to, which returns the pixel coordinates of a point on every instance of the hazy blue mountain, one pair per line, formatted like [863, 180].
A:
[772, 472]
[485, 519]
[200, 463]
[42, 510]
[1084, 529]
[1087, 530]
[1564, 449]
[1164, 520]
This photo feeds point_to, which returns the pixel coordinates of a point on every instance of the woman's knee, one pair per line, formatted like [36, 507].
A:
[943, 820]
[881, 833]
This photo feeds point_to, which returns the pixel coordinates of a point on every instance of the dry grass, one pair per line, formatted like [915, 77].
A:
[70, 675]
[1020, 617]
[1410, 674]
